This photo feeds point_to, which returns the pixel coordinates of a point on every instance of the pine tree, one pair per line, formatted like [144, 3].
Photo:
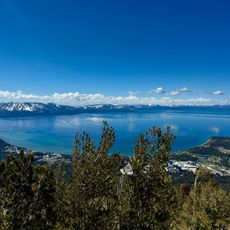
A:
[27, 194]
[43, 208]
[16, 190]
[62, 198]
[148, 191]
[93, 191]
[206, 207]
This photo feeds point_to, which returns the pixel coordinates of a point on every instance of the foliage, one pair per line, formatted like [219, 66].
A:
[206, 207]
[149, 192]
[27, 194]
[96, 194]
[93, 190]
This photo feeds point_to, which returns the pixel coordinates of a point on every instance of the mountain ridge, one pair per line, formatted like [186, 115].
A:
[14, 109]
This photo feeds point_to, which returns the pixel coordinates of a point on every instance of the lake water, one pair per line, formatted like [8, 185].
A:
[56, 133]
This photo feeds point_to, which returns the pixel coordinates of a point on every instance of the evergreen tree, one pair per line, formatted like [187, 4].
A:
[43, 207]
[148, 191]
[62, 198]
[16, 179]
[206, 207]
[27, 194]
[93, 191]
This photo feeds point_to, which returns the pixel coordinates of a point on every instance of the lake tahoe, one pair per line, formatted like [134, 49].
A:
[92, 94]
[56, 133]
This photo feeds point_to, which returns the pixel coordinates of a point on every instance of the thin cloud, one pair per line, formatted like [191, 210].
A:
[216, 93]
[185, 90]
[133, 92]
[174, 93]
[179, 91]
[160, 90]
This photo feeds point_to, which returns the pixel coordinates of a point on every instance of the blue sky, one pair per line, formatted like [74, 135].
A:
[86, 52]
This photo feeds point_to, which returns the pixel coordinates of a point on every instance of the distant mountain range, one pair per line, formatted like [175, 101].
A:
[14, 109]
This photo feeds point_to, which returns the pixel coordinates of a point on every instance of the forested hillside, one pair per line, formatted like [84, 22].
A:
[101, 191]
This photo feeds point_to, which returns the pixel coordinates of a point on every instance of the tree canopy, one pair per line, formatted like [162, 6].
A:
[105, 190]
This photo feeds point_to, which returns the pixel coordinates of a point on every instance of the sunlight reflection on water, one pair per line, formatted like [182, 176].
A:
[56, 133]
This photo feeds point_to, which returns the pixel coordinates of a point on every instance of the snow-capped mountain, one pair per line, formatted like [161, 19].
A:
[13, 109]
[30, 107]
[27, 108]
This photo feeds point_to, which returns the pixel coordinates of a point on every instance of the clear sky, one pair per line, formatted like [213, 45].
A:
[123, 51]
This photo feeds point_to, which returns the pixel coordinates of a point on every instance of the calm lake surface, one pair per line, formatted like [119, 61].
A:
[56, 133]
